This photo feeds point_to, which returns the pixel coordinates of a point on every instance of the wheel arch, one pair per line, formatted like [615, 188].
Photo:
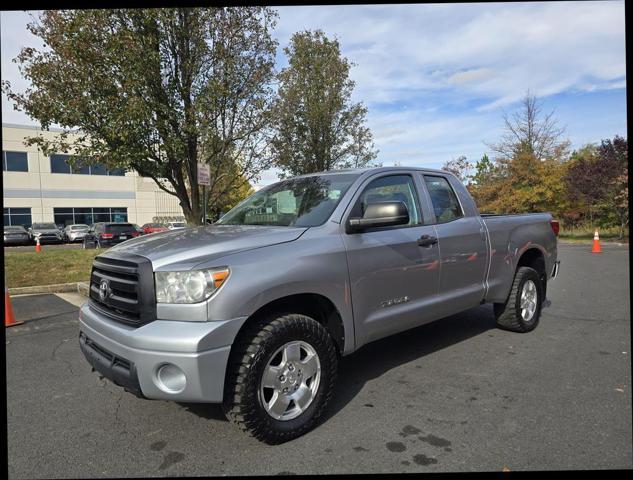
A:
[534, 258]
[313, 305]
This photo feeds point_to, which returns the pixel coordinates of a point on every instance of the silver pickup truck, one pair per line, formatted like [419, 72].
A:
[255, 311]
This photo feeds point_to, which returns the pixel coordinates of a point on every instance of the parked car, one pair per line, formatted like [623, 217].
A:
[45, 232]
[154, 228]
[176, 225]
[75, 232]
[254, 311]
[107, 234]
[138, 229]
[16, 235]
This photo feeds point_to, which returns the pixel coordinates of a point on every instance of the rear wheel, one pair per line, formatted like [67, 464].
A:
[280, 377]
[522, 310]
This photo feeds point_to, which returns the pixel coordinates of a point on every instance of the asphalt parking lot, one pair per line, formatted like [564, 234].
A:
[454, 395]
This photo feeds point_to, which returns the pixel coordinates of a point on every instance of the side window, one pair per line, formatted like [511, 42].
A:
[392, 188]
[15, 161]
[443, 199]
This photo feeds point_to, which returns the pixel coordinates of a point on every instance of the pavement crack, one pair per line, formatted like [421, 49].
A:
[55, 358]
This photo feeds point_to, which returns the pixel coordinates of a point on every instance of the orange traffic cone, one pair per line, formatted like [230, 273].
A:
[9, 316]
[596, 243]
[38, 247]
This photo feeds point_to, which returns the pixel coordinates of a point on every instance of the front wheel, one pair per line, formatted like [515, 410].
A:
[522, 310]
[280, 377]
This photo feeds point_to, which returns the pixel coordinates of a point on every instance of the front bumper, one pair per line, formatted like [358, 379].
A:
[132, 357]
[48, 239]
[17, 241]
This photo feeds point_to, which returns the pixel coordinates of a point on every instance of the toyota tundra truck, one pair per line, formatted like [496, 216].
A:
[255, 311]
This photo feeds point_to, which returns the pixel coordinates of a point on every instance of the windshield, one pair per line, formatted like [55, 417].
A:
[299, 202]
[79, 227]
[178, 224]
[14, 229]
[44, 226]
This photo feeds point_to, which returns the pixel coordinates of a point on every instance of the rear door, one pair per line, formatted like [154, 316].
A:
[462, 245]
[392, 277]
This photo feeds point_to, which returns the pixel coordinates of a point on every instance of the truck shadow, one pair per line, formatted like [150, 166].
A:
[375, 359]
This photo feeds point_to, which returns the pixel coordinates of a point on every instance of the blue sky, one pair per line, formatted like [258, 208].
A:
[437, 77]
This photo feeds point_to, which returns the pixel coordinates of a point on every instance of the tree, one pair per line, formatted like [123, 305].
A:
[527, 184]
[230, 190]
[598, 178]
[156, 90]
[459, 167]
[317, 126]
[484, 169]
[528, 131]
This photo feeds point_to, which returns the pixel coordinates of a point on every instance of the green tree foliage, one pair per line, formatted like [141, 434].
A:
[317, 126]
[156, 90]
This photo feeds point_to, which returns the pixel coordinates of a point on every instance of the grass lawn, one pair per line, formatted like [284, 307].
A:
[583, 235]
[26, 269]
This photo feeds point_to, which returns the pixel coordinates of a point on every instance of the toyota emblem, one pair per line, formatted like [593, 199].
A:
[104, 290]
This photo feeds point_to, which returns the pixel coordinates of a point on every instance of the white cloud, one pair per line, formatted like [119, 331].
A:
[548, 47]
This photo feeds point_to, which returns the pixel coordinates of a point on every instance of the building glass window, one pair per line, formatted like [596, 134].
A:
[59, 164]
[85, 170]
[15, 161]
[98, 169]
[83, 215]
[17, 216]
[88, 216]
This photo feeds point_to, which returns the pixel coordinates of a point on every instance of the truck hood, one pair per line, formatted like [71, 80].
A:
[182, 249]
[45, 230]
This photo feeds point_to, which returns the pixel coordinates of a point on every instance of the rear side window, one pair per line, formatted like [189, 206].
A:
[443, 199]
[121, 228]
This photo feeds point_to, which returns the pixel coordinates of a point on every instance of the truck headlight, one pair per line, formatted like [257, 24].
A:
[188, 287]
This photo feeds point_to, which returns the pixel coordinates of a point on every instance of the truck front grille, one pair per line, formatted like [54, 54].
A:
[123, 288]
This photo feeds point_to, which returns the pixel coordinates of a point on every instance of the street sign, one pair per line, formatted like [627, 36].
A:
[204, 174]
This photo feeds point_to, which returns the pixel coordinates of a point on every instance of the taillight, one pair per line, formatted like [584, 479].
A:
[135, 234]
[107, 235]
[555, 226]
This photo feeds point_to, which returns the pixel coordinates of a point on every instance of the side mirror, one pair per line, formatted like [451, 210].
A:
[380, 214]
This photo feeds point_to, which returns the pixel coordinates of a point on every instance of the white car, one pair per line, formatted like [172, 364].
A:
[176, 225]
[76, 232]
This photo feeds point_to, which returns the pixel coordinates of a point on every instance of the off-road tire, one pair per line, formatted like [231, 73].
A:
[249, 356]
[508, 315]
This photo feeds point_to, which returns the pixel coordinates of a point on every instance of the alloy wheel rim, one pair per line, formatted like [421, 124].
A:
[290, 380]
[529, 297]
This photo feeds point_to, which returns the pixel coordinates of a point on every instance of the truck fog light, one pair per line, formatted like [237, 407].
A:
[170, 378]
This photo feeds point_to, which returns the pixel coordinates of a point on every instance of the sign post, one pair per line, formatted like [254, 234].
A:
[204, 175]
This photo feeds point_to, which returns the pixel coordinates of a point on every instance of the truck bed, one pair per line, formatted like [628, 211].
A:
[510, 236]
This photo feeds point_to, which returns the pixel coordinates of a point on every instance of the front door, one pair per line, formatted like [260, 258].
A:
[392, 277]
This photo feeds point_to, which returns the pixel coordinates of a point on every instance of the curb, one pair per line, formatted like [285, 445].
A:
[79, 287]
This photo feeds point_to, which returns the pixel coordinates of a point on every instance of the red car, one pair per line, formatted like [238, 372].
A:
[154, 228]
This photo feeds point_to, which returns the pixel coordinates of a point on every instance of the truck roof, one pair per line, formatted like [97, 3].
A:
[360, 171]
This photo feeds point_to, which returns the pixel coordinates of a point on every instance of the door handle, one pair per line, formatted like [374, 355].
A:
[427, 240]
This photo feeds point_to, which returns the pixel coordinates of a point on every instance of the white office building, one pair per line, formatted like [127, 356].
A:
[39, 188]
